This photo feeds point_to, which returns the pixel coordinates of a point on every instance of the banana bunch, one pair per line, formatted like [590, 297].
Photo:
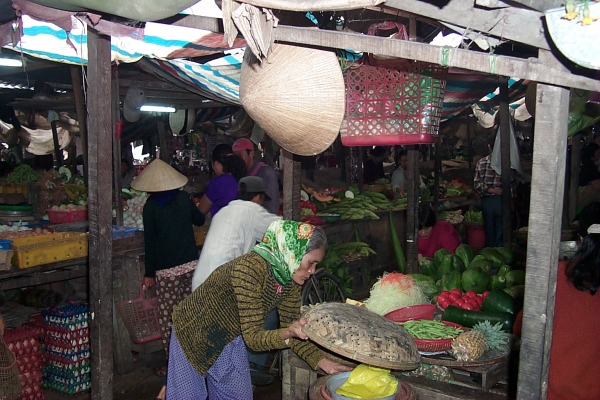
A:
[358, 208]
[352, 251]
[379, 200]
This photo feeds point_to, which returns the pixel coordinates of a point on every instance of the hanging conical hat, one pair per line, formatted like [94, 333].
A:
[158, 176]
[296, 95]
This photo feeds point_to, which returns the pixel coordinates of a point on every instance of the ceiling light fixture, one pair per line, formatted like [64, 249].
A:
[10, 62]
[153, 108]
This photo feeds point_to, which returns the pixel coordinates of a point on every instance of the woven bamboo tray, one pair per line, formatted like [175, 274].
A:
[361, 335]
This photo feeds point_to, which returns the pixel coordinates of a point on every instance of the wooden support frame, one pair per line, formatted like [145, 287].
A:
[412, 209]
[291, 186]
[547, 186]
[506, 172]
[100, 214]
[79, 97]
[531, 69]
[116, 146]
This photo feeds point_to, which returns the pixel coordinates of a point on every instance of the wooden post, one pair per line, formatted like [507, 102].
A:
[412, 209]
[58, 160]
[574, 175]
[116, 146]
[505, 160]
[291, 186]
[162, 142]
[437, 172]
[100, 215]
[547, 186]
[81, 114]
[360, 168]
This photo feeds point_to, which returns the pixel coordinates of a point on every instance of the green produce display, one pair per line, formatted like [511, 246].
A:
[426, 283]
[447, 265]
[499, 301]
[475, 279]
[466, 253]
[398, 253]
[23, 174]
[507, 254]
[430, 330]
[518, 293]
[497, 282]
[473, 216]
[428, 266]
[483, 263]
[458, 264]
[438, 256]
[451, 280]
[503, 270]
[469, 318]
[493, 255]
[515, 277]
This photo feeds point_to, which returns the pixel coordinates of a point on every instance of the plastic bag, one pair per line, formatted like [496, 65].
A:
[366, 382]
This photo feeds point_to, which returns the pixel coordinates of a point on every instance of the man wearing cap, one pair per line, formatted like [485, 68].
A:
[235, 229]
[245, 149]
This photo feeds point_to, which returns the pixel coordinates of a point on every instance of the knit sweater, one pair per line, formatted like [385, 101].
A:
[235, 300]
[169, 234]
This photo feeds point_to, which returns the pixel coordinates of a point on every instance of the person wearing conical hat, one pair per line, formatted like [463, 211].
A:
[171, 253]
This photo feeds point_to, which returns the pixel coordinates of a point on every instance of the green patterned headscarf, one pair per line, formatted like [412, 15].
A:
[284, 246]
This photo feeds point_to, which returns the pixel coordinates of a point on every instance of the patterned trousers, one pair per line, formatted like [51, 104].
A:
[172, 286]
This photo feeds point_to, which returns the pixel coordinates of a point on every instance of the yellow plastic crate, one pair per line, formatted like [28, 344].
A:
[15, 188]
[45, 249]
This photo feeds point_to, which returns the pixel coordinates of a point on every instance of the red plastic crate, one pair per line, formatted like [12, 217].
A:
[66, 216]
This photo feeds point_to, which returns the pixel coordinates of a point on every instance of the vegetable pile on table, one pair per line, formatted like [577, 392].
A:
[392, 291]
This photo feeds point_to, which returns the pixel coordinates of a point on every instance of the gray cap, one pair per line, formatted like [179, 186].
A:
[252, 184]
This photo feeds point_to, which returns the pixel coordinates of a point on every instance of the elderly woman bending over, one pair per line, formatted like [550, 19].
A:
[207, 353]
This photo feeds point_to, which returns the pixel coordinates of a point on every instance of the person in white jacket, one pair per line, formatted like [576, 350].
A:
[235, 229]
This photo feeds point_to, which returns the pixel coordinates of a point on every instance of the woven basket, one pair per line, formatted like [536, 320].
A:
[434, 345]
[10, 384]
[296, 95]
[140, 317]
[361, 335]
[394, 101]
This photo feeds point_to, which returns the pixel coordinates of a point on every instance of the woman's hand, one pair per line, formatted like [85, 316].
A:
[295, 330]
[331, 367]
[149, 282]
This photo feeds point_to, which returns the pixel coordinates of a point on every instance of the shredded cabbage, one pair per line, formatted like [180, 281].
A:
[393, 291]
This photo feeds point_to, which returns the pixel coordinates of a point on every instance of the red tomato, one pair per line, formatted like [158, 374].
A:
[443, 295]
[471, 293]
[459, 303]
[466, 298]
[474, 303]
[445, 302]
[457, 291]
[478, 299]
[485, 294]
[468, 306]
[454, 296]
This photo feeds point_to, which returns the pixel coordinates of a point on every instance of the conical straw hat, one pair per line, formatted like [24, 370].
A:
[158, 176]
[296, 95]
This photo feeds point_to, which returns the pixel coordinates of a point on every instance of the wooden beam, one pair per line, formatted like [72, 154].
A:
[116, 146]
[505, 170]
[545, 214]
[162, 142]
[540, 5]
[312, 5]
[100, 214]
[58, 160]
[81, 113]
[412, 209]
[198, 22]
[291, 186]
[482, 62]
[516, 24]
[574, 176]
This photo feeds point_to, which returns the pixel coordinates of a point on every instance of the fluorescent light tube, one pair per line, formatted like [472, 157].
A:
[151, 108]
[10, 62]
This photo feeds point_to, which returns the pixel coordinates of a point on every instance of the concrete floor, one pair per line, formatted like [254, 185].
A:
[142, 384]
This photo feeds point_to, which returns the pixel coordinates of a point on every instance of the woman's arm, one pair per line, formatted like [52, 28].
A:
[198, 218]
[204, 205]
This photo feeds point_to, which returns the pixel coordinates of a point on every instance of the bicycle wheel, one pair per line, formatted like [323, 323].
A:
[322, 287]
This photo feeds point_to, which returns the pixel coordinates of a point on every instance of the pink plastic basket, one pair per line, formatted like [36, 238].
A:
[434, 345]
[393, 101]
[420, 311]
[140, 317]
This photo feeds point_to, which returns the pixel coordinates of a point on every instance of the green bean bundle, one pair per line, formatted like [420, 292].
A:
[431, 330]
